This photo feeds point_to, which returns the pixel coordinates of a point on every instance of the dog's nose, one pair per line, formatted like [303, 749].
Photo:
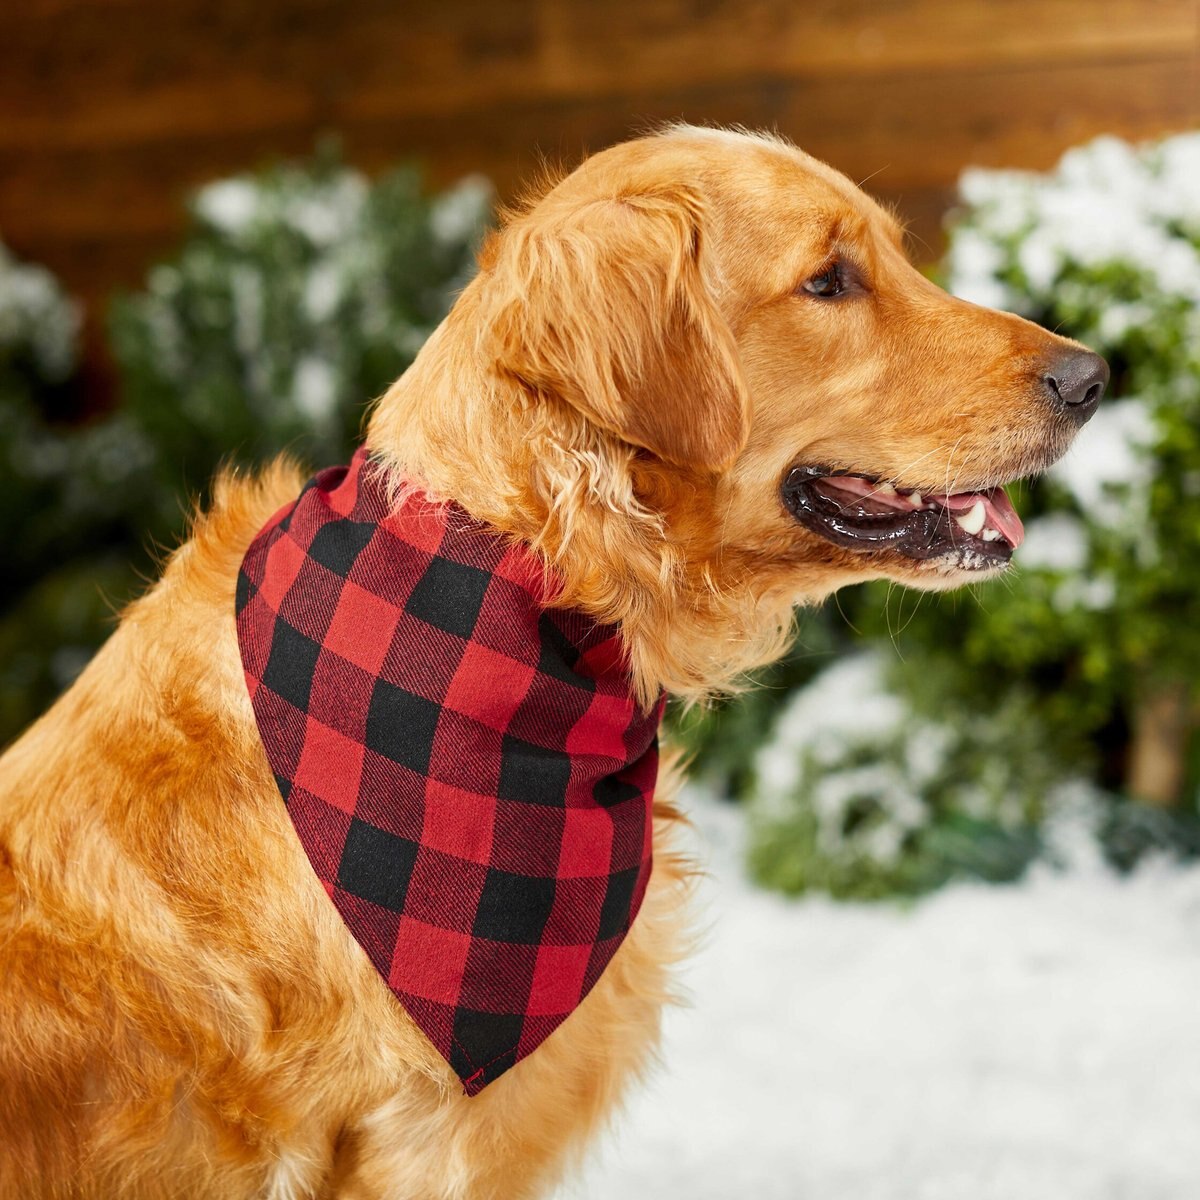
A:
[1075, 382]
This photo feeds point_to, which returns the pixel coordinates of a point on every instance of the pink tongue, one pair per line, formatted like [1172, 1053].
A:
[999, 513]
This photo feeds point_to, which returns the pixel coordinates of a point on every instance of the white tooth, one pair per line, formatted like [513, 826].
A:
[915, 499]
[972, 520]
[885, 489]
[991, 535]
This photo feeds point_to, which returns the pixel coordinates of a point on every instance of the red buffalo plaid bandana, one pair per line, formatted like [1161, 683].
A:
[465, 767]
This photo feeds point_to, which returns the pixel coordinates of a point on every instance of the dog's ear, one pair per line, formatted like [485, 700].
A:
[604, 305]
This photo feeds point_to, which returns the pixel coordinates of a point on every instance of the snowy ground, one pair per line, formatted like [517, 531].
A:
[1037, 1042]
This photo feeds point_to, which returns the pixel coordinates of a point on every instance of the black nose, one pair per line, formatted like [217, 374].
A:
[1076, 382]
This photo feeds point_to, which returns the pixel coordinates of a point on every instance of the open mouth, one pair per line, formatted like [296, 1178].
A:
[969, 530]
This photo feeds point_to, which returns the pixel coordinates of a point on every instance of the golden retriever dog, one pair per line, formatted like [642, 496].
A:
[699, 377]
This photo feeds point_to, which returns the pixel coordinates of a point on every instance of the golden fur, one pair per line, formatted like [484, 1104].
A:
[624, 384]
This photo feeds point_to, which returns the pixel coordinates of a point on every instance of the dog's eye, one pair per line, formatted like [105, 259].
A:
[830, 282]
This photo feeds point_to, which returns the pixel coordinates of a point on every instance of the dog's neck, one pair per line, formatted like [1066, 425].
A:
[605, 515]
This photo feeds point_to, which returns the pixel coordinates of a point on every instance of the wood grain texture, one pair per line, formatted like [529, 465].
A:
[110, 110]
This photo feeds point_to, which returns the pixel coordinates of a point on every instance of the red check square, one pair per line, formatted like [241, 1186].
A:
[488, 686]
[558, 979]
[428, 961]
[459, 823]
[330, 766]
[528, 573]
[418, 523]
[599, 730]
[284, 560]
[362, 627]
[586, 842]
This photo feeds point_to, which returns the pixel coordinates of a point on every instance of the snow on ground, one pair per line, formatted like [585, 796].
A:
[1032, 1042]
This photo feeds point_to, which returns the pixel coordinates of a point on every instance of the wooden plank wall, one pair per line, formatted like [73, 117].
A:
[111, 109]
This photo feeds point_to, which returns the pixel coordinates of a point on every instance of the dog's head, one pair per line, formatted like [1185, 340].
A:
[730, 334]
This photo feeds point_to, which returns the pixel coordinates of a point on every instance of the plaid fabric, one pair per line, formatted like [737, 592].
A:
[465, 768]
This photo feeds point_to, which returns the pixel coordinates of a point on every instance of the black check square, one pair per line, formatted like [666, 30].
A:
[559, 656]
[244, 592]
[533, 773]
[611, 790]
[290, 667]
[618, 902]
[338, 544]
[401, 726]
[377, 865]
[449, 596]
[513, 908]
[476, 1037]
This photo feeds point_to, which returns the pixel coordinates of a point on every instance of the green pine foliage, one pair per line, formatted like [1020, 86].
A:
[38, 350]
[298, 295]
[46, 520]
[861, 793]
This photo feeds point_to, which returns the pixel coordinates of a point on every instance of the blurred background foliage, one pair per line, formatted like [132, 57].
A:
[909, 738]
[298, 295]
